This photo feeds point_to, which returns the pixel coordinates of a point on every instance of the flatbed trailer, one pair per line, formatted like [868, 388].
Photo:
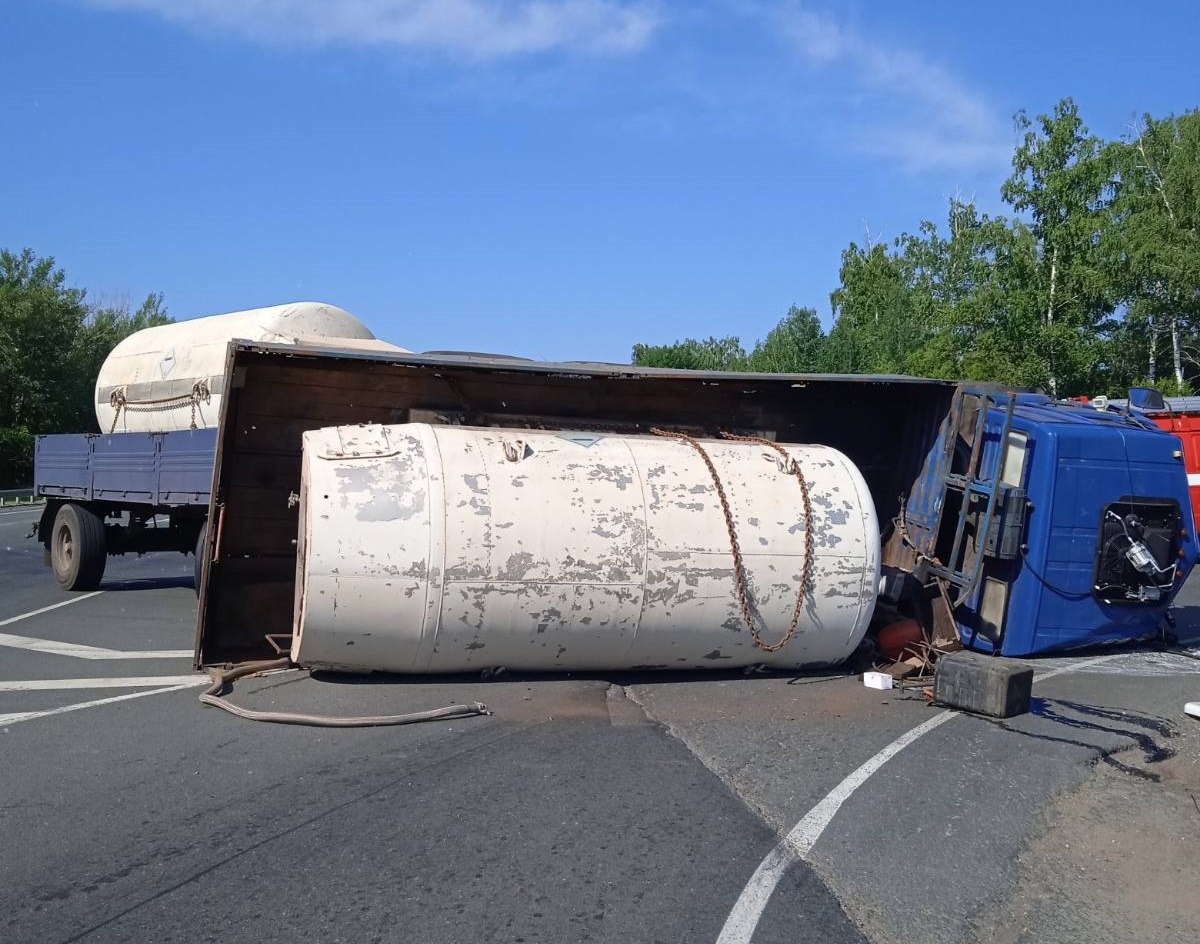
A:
[124, 493]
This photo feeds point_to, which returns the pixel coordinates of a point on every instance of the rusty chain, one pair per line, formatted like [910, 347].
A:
[118, 401]
[739, 569]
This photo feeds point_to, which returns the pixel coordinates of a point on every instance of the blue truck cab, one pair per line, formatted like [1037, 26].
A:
[1045, 525]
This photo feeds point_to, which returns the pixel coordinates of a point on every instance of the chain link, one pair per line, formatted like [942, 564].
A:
[118, 401]
[739, 570]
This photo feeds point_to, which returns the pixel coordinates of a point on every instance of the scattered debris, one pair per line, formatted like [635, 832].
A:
[880, 680]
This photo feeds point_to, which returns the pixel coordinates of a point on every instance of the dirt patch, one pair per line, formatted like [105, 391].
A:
[1116, 859]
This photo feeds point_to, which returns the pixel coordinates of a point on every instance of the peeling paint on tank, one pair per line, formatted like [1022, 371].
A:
[629, 572]
[517, 566]
[466, 570]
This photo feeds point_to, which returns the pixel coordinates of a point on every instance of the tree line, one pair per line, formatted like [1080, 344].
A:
[1090, 285]
[52, 344]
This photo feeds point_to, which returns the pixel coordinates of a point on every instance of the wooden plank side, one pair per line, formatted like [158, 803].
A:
[878, 424]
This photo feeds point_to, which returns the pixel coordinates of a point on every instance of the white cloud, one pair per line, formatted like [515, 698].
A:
[473, 29]
[904, 104]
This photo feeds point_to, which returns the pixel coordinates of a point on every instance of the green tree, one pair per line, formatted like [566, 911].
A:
[691, 354]
[971, 291]
[1064, 180]
[51, 347]
[1156, 214]
[39, 320]
[794, 346]
[877, 325]
[1095, 275]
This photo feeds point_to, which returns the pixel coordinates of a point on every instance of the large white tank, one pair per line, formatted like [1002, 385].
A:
[441, 548]
[172, 376]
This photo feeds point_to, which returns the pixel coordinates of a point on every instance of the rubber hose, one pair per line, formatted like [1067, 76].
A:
[225, 677]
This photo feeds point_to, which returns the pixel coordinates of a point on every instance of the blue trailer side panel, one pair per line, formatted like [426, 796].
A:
[154, 469]
[125, 468]
[62, 466]
[186, 467]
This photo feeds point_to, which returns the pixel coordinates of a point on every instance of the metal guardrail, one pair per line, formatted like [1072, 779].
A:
[18, 496]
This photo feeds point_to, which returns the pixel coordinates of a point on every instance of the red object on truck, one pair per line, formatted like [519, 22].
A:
[1181, 417]
[1185, 425]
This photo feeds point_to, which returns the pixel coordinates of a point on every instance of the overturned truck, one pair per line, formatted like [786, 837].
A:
[454, 512]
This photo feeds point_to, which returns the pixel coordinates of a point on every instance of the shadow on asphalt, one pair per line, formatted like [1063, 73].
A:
[148, 583]
[1186, 634]
[1144, 732]
[612, 678]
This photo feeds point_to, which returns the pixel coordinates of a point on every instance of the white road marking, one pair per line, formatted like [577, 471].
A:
[52, 606]
[77, 650]
[23, 511]
[20, 716]
[798, 843]
[142, 681]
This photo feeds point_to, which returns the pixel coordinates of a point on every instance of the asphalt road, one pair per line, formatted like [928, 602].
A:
[585, 809]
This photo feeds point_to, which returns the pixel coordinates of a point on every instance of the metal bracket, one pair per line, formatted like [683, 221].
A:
[366, 441]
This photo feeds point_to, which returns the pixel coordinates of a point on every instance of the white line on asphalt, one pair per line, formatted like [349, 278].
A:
[142, 681]
[20, 716]
[79, 651]
[798, 843]
[23, 511]
[52, 606]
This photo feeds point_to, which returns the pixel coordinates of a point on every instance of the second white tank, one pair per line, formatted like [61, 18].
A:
[439, 548]
[172, 376]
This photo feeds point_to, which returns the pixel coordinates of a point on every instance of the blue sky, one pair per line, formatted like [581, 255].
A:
[552, 178]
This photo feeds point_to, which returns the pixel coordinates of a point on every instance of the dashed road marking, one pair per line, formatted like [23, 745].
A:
[62, 685]
[798, 843]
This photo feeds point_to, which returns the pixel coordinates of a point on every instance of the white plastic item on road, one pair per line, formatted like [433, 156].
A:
[880, 680]
[1192, 708]
[440, 548]
[165, 378]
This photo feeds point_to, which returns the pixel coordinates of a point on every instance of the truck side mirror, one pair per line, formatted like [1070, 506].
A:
[1146, 398]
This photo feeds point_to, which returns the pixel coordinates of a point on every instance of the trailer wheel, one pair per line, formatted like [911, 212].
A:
[78, 551]
[198, 563]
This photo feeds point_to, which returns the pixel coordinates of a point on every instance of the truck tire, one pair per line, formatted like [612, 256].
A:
[78, 550]
[198, 563]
